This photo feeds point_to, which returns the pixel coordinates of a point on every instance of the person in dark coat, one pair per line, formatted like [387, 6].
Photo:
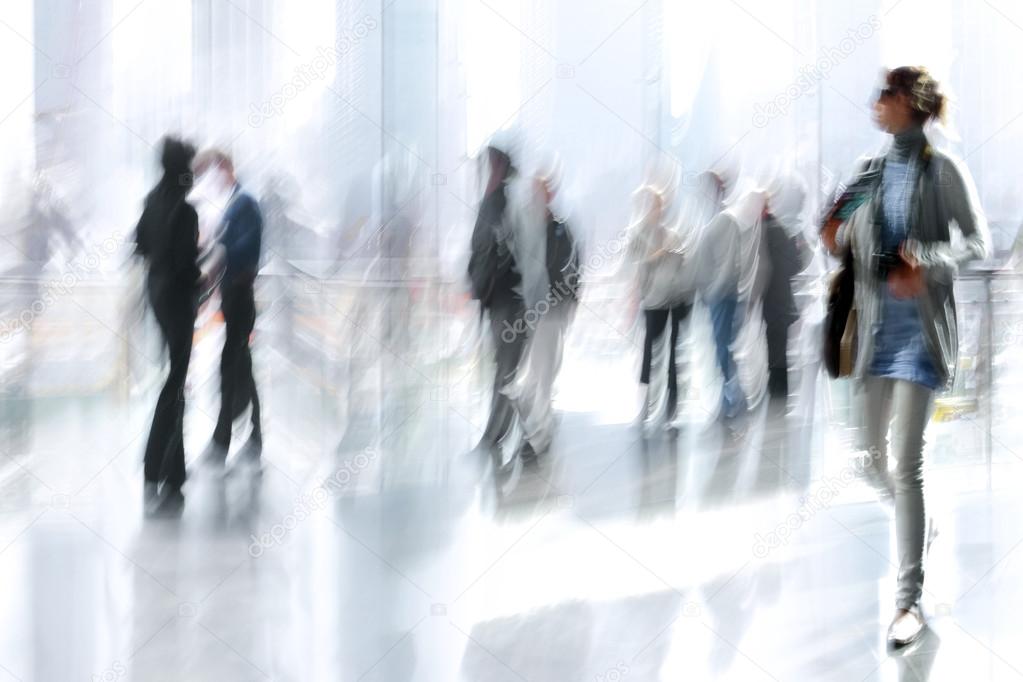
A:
[788, 255]
[167, 238]
[496, 282]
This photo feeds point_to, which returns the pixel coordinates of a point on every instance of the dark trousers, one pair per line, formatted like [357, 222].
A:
[777, 329]
[237, 385]
[777, 319]
[165, 450]
[656, 320]
[509, 335]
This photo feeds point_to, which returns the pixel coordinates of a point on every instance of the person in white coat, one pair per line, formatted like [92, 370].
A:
[732, 260]
[661, 250]
[543, 238]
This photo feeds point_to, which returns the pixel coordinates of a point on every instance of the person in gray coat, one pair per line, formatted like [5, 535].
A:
[896, 218]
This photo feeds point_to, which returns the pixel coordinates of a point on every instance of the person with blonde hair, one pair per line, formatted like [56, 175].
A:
[660, 249]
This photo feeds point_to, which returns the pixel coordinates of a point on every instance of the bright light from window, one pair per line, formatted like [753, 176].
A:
[323, 48]
[16, 104]
[689, 27]
[491, 54]
[918, 32]
[152, 50]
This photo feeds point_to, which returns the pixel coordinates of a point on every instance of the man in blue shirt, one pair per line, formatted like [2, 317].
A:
[240, 234]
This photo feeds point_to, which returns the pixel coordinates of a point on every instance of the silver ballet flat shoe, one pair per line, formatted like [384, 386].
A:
[906, 627]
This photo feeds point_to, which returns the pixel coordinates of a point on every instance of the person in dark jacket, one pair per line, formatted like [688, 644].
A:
[240, 234]
[497, 284]
[787, 255]
[167, 238]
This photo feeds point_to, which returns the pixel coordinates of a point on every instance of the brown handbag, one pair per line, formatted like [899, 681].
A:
[847, 348]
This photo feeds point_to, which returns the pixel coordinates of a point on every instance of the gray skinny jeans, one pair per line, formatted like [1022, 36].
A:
[906, 406]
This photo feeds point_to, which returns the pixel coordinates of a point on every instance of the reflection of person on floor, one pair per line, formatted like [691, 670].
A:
[787, 256]
[240, 233]
[497, 284]
[548, 316]
[167, 238]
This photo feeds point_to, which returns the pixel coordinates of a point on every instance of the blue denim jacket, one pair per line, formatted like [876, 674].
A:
[242, 237]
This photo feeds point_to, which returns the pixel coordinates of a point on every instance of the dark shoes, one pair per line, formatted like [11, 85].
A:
[168, 502]
[778, 382]
[526, 452]
[250, 456]
[252, 450]
[171, 504]
[150, 492]
[214, 456]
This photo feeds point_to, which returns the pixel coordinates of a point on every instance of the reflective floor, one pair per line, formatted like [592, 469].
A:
[716, 554]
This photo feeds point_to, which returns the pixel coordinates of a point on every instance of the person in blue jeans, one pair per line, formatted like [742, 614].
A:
[732, 246]
[722, 316]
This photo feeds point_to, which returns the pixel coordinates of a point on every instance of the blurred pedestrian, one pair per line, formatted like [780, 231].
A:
[167, 238]
[548, 318]
[661, 250]
[895, 221]
[496, 282]
[240, 234]
[732, 256]
[787, 256]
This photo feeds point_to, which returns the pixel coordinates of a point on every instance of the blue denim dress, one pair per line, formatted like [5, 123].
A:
[900, 349]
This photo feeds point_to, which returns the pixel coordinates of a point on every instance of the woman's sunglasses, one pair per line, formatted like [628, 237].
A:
[885, 93]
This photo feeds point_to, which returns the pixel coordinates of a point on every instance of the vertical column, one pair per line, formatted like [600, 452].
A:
[404, 175]
[17, 103]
